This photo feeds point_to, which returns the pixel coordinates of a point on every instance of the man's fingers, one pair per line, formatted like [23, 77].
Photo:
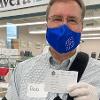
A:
[83, 91]
[76, 86]
[79, 92]
[81, 98]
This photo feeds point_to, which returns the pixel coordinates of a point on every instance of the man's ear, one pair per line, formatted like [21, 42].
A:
[46, 25]
[82, 26]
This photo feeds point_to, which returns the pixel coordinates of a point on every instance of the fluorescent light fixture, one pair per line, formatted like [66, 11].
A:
[96, 34]
[38, 32]
[90, 38]
[92, 18]
[44, 22]
[44, 31]
[25, 24]
[92, 29]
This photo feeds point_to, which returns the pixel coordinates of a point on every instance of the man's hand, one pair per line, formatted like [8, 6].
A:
[83, 91]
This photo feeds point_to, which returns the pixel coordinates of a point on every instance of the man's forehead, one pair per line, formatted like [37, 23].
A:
[65, 9]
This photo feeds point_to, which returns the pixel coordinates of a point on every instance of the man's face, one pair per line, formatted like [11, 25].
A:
[68, 13]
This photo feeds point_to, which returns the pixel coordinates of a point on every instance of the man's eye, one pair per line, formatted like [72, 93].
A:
[72, 21]
[57, 19]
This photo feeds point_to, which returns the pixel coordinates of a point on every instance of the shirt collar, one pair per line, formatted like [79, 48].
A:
[63, 65]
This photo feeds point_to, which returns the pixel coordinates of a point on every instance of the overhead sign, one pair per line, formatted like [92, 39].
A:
[6, 5]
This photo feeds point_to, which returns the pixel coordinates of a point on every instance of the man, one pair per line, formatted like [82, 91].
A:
[64, 28]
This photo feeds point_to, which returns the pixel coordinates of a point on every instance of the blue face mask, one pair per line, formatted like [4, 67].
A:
[62, 38]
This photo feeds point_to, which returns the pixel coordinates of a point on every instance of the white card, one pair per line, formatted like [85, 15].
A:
[57, 81]
[36, 90]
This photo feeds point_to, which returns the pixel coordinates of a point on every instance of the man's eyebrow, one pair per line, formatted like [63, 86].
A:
[75, 17]
[65, 16]
[57, 15]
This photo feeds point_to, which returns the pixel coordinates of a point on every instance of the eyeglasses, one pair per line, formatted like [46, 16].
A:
[72, 22]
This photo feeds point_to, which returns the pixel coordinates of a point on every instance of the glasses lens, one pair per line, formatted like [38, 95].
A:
[72, 22]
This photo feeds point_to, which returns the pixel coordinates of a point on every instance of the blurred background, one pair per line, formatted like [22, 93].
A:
[22, 33]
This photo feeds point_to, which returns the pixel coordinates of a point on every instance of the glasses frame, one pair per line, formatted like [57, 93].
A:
[72, 22]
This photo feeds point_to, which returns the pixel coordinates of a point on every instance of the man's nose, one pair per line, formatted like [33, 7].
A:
[64, 21]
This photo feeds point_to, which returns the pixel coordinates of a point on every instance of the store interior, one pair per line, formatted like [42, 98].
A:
[28, 37]
[29, 33]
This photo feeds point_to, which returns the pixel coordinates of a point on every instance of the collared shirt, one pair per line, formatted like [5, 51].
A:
[34, 70]
[64, 65]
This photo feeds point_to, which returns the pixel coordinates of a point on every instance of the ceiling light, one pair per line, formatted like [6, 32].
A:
[96, 34]
[38, 32]
[44, 31]
[91, 38]
[92, 29]
[25, 24]
[92, 18]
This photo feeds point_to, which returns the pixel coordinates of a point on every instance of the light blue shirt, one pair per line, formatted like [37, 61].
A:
[34, 70]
